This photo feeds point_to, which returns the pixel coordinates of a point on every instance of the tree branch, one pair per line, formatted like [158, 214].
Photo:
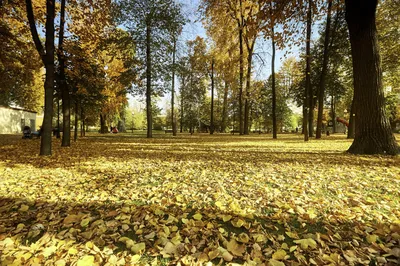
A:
[32, 26]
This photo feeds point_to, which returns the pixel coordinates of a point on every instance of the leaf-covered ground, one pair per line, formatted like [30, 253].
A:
[123, 200]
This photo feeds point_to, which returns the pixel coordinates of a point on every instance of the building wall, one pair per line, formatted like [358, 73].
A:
[12, 120]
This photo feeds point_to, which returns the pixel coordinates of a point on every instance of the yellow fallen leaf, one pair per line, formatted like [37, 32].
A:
[243, 237]
[136, 248]
[292, 235]
[87, 260]
[213, 254]
[235, 248]
[273, 262]
[24, 208]
[219, 204]
[279, 254]
[135, 258]
[238, 223]
[72, 251]
[47, 252]
[372, 238]
[227, 256]
[60, 262]
[305, 243]
[226, 218]
[197, 216]
[85, 222]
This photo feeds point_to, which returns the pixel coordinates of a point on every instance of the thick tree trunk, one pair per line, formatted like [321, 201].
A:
[224, 108]
[352, 122]
[148, 83]
[307, 98]
[173, 122]
[212, 99]
[47, 55]
[58, 116]
[373, 133]
[322, 81]
[103, 126]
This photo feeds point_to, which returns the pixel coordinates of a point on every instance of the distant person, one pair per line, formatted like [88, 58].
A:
[114, 130]
[297, 130]
[27, 133]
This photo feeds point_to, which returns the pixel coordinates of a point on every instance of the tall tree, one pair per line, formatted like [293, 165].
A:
[150, 23]
[307, 93]
[321, 87]
[47, 55]
[66, 137]
[373, 133]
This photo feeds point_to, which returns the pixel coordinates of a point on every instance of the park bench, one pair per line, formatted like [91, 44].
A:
[169, 131]
[234, 131]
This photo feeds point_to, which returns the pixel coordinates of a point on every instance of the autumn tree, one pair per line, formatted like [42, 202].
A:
[373, 133]
[150, 22]
[46, 53]
[21, 71]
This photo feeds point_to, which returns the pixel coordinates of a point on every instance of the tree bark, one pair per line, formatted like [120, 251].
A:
[333, 112]
[307, 98]
[76, 120]
[173, 122]
[148, 83]
[240, 79]
[274, 125]
[352, 121]
[373, 133]
[182, 88]
[224, 108]
[47, 56]
[212, 99]
[322, 81]
[248, 84]
[66, 108]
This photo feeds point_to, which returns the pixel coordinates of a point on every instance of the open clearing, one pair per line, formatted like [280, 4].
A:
[123, 200]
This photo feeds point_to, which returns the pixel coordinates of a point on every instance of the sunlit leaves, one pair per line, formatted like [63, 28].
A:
[252, 201]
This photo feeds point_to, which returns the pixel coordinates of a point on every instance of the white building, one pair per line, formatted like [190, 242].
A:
[13, 120]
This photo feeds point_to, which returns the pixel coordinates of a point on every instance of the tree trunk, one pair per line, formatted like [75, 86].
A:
[240, 78]
[148, 83]
[373, 134]
[182, 88]
[307, 98]
[322, 81]
[274, 126]
[47, 56]
[66, 108]
[352, 122]
[333, 112]
[248, 84]
[58, 116]
[76, 120]
[103, 126]
[311, 116]
[82, 122]
[224, 108]
[173, 122]
[212, 99]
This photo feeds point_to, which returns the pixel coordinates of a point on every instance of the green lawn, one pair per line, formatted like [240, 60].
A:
[123, 200]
